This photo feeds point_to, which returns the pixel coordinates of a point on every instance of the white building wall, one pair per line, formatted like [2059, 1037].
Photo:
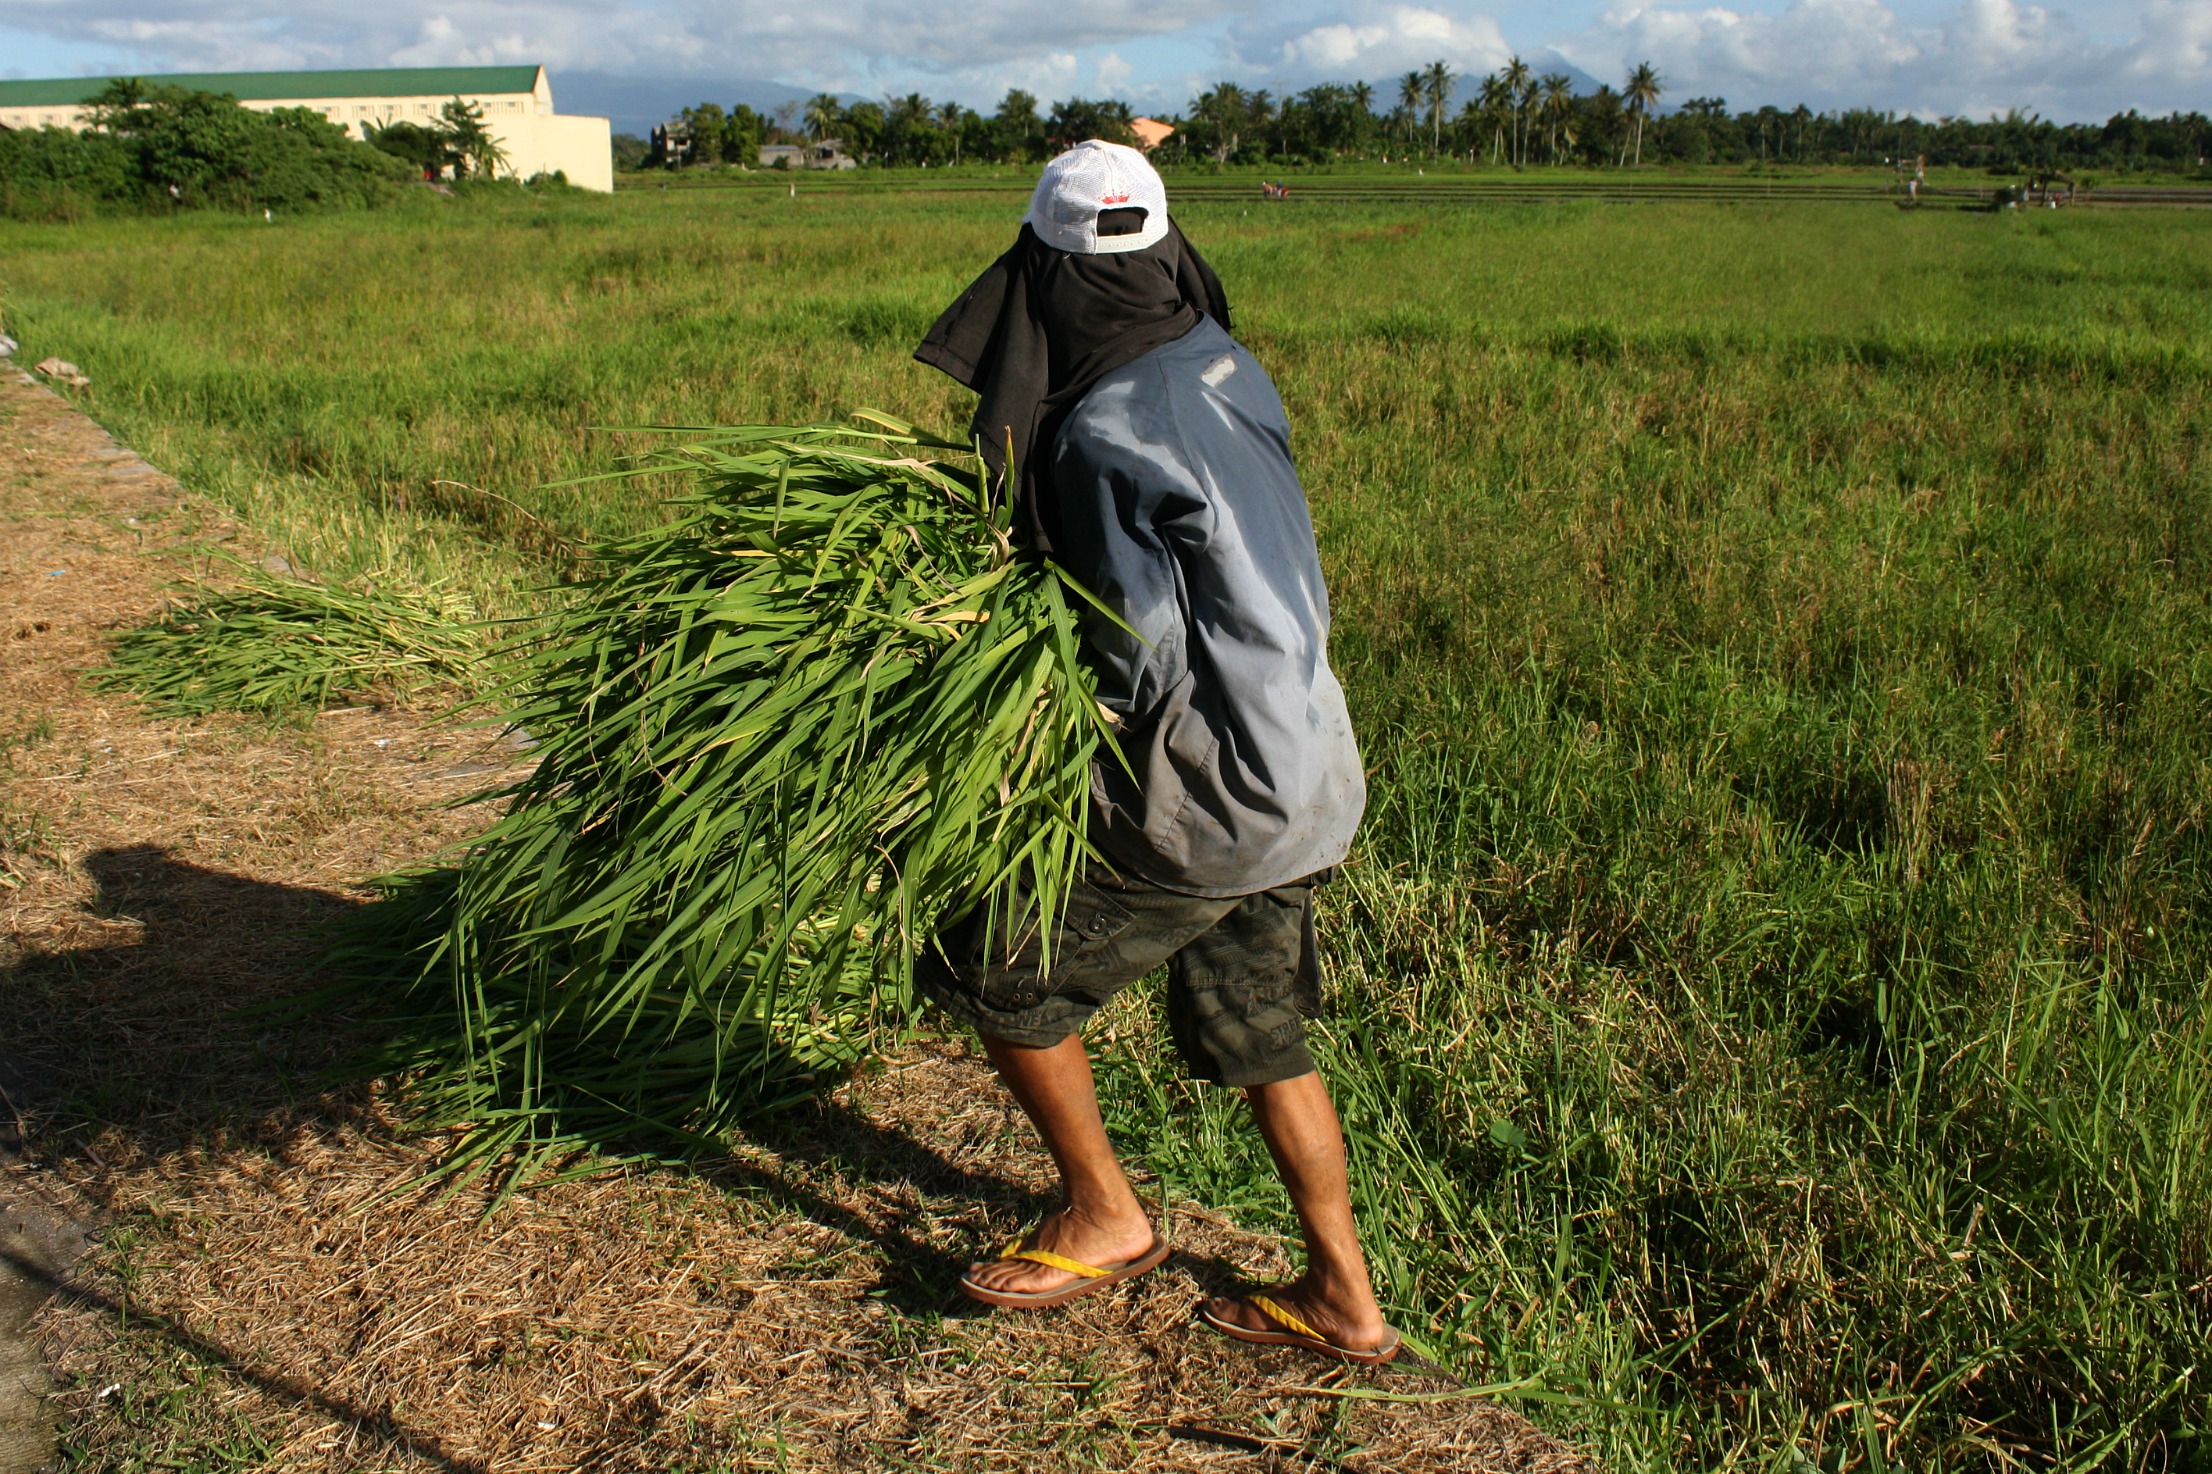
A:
[41, 117]
[580, 147]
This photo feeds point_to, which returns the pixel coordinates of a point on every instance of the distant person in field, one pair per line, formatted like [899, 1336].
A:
[1146, 451]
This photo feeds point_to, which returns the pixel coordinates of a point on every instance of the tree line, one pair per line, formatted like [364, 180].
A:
[1515, 116]
[908, 131]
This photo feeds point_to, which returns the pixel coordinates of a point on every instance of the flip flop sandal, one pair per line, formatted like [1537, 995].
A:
[1296, 1332]
[1089, 1277]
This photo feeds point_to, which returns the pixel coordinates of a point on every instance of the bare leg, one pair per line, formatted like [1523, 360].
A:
[1102, 1222]
[1299, 1123]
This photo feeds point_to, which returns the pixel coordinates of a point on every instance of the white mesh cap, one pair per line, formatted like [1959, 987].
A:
[1089, 178]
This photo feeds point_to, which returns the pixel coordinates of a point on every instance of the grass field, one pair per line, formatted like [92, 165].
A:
[1770, 996]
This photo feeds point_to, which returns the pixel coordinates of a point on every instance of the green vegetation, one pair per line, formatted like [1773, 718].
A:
[277, 645]
[698, 135]
[459, 143]
[776, 739]
[154, 148]
[1770, 996]
[26, 835]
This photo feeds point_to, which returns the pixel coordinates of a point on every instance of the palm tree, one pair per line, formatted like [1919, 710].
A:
[1259, 112]
[468, 142]
[1227, 107]
[1436, 86]
[1556, 96]
[906, 123]
[953, 119]
[1496, 103]
[1410, 90]
[1642, 95]
[1600, 114]
[822, 114]
[1515, 76]
[1363, 120]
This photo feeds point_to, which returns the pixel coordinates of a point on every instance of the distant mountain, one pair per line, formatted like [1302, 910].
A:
[639, 104]
[1549, 60]
[1541, 63]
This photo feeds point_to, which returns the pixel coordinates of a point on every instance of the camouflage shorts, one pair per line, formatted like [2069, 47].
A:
[1242, 972]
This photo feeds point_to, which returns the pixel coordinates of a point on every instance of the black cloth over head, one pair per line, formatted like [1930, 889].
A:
[1041, 326]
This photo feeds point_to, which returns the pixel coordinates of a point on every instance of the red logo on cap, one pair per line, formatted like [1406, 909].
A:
[1114, 199]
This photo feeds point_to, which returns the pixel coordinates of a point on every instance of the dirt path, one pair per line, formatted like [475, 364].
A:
[254, 1302]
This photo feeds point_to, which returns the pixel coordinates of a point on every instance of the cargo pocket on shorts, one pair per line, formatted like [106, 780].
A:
[1085, 935]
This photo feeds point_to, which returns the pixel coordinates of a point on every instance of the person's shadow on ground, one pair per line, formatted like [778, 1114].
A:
[127, 1023]
[126, 1039]
[153, 1021]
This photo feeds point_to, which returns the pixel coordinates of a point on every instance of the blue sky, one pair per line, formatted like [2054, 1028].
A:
[2075, 59]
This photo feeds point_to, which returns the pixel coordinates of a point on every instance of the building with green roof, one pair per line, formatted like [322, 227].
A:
[517, 104]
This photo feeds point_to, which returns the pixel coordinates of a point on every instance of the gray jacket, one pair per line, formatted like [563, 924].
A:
[1179, 507]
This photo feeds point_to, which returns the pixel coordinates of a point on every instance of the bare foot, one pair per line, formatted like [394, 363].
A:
[1347, 1316]
[1072, 1236]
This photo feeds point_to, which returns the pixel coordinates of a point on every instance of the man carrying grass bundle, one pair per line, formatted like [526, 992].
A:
[1148, 454]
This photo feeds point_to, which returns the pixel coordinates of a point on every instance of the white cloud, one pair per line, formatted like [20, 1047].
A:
[443, 43]
[1399, 39]
[1112, 75]
[830, 43]
[1930, 56]
[2175, 45]
[1983, 56]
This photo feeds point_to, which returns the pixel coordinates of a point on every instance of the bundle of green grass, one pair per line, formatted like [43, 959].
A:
[779, 739]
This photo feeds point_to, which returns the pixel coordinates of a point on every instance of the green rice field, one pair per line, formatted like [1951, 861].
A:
[1771, 999]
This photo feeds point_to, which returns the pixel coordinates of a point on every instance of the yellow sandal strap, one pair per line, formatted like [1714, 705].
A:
[1283, 1317]
[1053, 1261]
